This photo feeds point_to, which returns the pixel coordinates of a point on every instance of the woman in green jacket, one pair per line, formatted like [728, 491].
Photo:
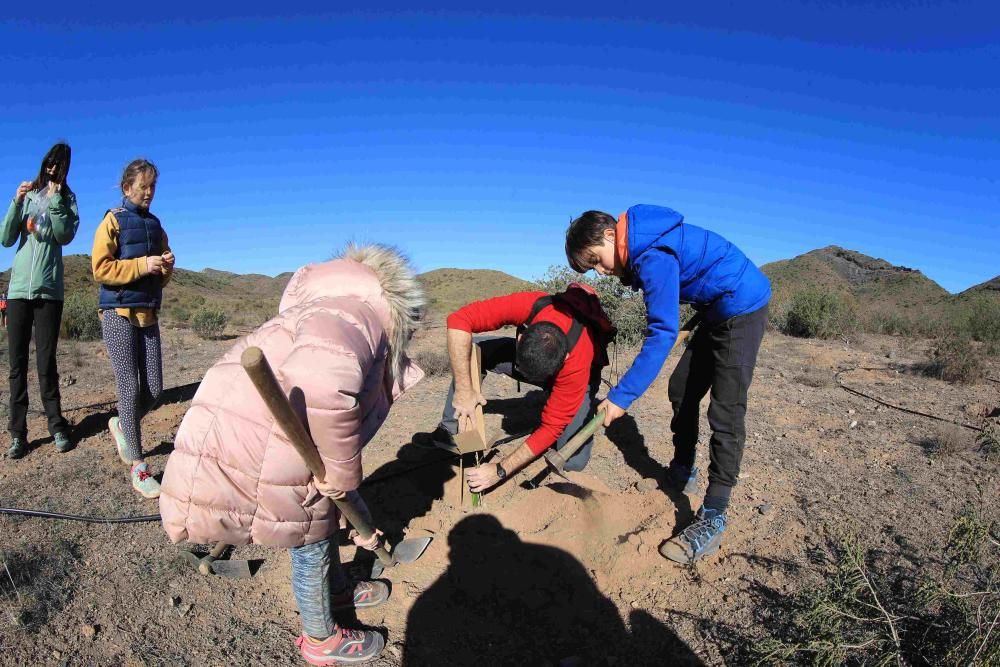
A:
[41, 219]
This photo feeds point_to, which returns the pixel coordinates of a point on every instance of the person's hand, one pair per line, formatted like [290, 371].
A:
[482, 477]
[23, 189]
[465, 405]
[371, 544]
[53, 188]
[329, 490]
[611, 411]
[168, 259]
[154, 265]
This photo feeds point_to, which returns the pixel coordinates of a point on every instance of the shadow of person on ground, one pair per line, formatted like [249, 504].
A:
[405, 489]
[506, 602]
[625, 435]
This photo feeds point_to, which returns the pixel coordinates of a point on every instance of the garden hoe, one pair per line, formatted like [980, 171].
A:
[255, 364]
[209, 564]
[557, 458]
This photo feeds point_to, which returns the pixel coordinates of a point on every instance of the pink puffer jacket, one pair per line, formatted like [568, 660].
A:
[233, 476]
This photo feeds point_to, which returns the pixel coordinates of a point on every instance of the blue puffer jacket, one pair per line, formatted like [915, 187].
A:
[673, 262]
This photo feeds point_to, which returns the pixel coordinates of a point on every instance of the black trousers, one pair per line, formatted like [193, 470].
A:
[720, 358]
[45, 316]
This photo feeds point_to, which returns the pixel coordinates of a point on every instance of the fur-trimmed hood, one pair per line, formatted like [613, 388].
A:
[392, 290]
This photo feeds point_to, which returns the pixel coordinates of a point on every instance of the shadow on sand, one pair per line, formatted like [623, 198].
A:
[506, 602]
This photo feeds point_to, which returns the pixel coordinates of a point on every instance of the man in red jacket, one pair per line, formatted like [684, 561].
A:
[562, 349]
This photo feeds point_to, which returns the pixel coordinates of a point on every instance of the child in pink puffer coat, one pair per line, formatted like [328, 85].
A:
[340, 337]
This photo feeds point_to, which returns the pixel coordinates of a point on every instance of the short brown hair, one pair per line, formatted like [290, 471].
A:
[584, 233]
[136, 167]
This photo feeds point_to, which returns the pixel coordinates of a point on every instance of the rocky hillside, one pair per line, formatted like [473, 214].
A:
[866, 280]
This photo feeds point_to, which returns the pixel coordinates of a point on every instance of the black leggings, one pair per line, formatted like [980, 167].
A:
[46, 317]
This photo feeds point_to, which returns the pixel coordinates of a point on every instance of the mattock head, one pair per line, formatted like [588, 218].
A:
[556, 462]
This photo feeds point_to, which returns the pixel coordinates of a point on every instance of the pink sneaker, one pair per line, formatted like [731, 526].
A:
[347, 647]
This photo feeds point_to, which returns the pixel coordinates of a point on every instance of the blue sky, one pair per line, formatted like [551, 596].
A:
[470, 139]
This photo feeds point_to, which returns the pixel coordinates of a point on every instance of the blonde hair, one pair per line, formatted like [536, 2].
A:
[402, 292]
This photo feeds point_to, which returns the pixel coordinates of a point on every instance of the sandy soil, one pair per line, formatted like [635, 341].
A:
[564, 574]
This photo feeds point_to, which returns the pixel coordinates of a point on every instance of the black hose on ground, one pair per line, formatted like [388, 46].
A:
[76, 517]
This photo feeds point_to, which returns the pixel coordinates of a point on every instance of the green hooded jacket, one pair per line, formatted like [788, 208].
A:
[37, 272]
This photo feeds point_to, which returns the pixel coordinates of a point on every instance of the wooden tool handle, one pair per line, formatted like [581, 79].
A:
[255, 364]
[576, 442]
[205, 565]
[583, 435]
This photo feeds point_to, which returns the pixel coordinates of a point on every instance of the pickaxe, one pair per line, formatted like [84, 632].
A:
[557, 458]
[255, 364]
[209, 564]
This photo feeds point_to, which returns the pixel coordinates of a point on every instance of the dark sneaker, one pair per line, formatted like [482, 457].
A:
[347, 647]
[436, 439]
[63, 443]
[18, 448]
[682, 478]
[702, 538]
[362, 594]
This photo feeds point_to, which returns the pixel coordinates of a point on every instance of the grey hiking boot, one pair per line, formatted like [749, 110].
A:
[63, 442]
[682, 478]
[702, 538]
[18, 448]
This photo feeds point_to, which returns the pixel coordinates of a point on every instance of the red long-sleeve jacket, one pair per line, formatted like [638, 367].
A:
[571, 383]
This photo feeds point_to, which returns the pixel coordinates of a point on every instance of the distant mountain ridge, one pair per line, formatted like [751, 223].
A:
[867, 280]
[250, 299]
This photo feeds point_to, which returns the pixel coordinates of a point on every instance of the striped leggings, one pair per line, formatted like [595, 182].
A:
[135, 358]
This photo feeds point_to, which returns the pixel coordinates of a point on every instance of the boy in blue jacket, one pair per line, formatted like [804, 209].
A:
[651, 248]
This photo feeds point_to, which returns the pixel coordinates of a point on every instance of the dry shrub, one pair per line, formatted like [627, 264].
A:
[814, 377]
[433, 362]
[988, 441]
[956, 359]
[871, 609]
[946, 439]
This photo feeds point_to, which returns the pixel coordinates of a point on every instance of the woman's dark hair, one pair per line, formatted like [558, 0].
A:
[60, 154]
[541, 351]
[584, 233]
[136, 167]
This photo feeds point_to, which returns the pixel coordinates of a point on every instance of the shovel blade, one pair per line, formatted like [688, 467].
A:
[411, 549]
[235, 569]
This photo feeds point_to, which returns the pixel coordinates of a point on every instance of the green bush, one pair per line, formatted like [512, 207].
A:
[208, 323]
[79, 318]
[892, 324]
[624, 306]
[983, 321]
[181, 314]
[818, 314]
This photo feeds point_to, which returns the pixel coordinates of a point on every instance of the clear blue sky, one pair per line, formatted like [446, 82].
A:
[471, 138]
